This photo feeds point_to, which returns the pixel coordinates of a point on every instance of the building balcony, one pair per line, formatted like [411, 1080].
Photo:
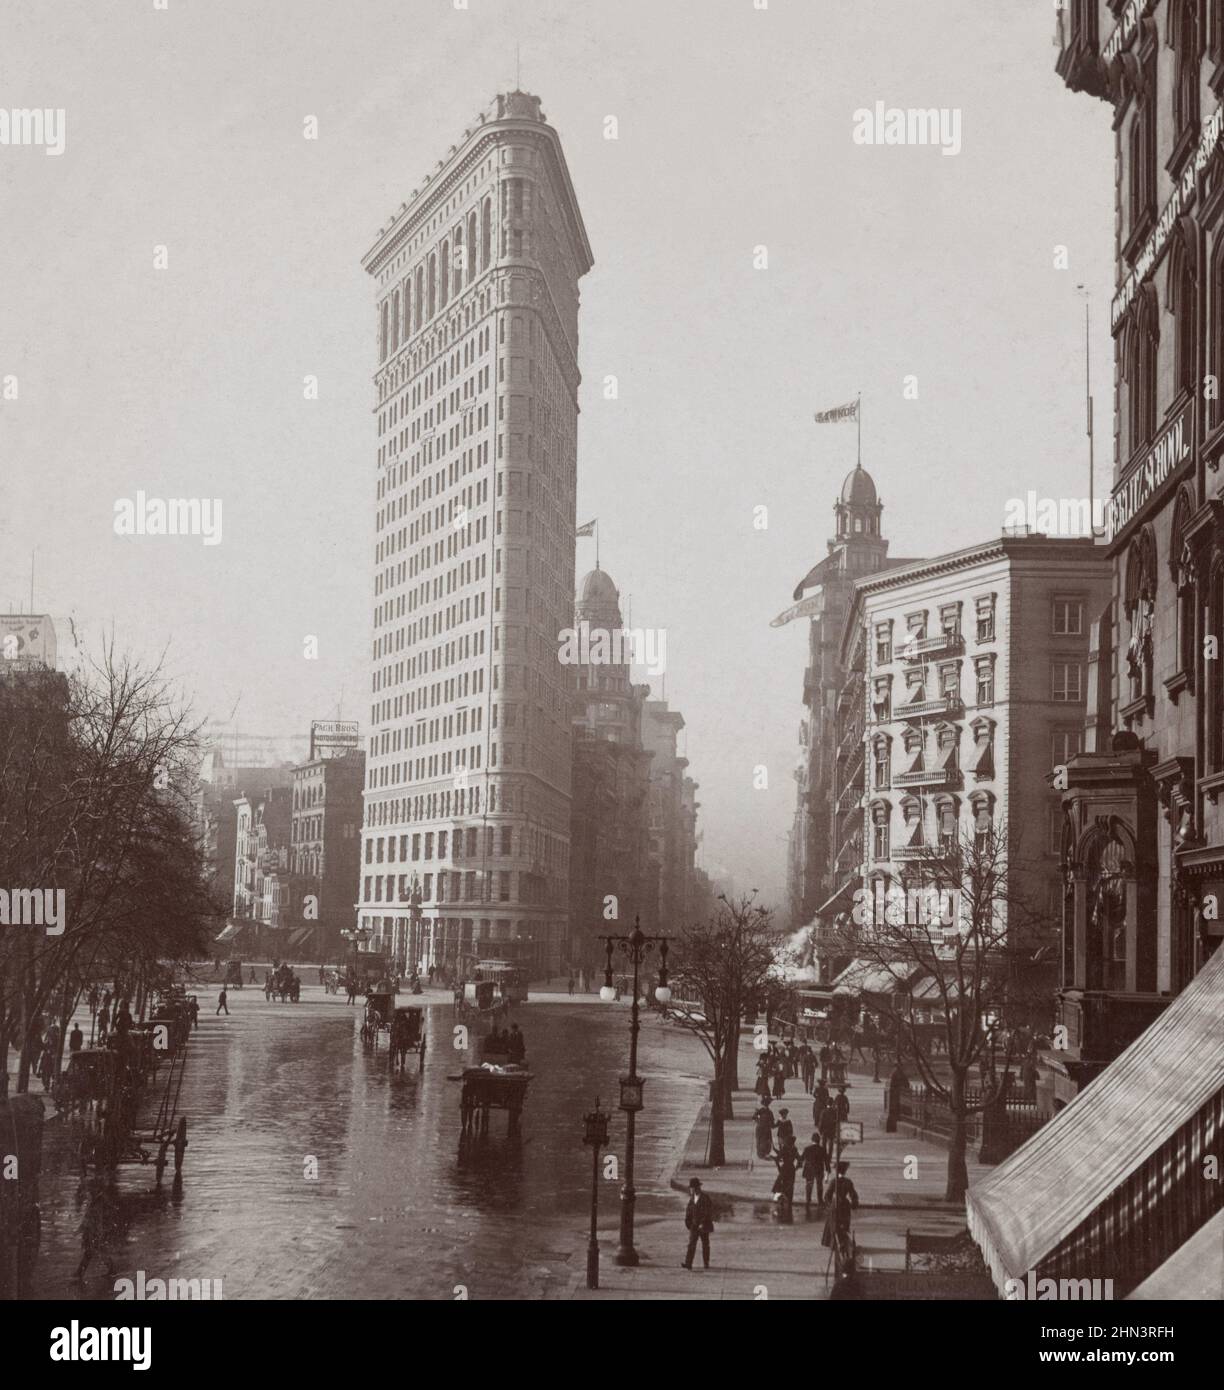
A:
[928, 777]
[943, 643]
[947, 705]
[850, 798]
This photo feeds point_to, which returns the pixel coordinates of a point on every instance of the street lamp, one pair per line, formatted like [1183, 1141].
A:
[595, 1133]
[635, 946]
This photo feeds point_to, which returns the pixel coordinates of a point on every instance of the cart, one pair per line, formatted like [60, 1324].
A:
[379, 1010]
[407, 1035]
[233, 974]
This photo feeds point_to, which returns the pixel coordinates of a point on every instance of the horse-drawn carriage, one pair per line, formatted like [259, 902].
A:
[403, 1027]
[233, 974]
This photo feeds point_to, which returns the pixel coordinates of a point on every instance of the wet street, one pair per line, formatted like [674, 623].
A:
[396, 1211]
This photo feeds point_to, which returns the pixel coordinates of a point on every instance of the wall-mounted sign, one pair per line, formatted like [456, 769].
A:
[1127, 26]
[1150, 475]
[332, 738]
[26, 640]
[1173, 209]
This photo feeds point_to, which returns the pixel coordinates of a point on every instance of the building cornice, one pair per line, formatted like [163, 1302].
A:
[1039, 548]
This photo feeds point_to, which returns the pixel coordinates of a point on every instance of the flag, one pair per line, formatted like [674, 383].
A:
[849, 411]
[805, 608]
[587, 530]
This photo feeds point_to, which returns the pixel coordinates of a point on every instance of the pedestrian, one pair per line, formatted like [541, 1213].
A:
[842, 1104]
[763, 1120]
[824, 1056]
[820, 1099]
[98, 1229]
[222, 1003]
[762, 1081]
[76, 1039]
[571, 984]
[814, 1168]
[699, 1221]
[194, 1006]
[779, 1080]
[837, 1066]
[841, 1199]
[251, 980]
[516, 1044]
[786, 1129]
[787, 1160]
[827, 1128]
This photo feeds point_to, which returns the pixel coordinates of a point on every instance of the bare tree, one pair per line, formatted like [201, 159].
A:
[720, 967]
[96, 771]
[956, 926]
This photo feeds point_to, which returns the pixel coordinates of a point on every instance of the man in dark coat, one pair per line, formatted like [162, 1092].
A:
[842, 1104]
[828, 1131]
[699, 1220]
[824, 1056]
[814, 1168]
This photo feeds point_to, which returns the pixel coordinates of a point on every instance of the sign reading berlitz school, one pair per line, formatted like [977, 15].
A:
[331, 737]
[1149, 475]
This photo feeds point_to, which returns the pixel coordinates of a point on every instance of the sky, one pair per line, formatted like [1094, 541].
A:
[180, 373]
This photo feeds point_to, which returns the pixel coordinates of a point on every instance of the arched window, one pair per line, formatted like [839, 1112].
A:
[418, 298]
[1181, 565]
[1184, 38]
[486, 233]
[471, 247]
[431, 291]
[982, 806]
[1140, 338]
[444, 276]
[1140, 611]
[1181, 298]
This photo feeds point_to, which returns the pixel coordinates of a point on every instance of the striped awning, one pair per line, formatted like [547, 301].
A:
[1195, 1271]
[1061, 1178]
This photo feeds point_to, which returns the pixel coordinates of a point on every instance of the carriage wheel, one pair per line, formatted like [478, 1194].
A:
[421, 1062]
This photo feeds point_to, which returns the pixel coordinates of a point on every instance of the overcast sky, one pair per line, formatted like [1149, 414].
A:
[184, 129]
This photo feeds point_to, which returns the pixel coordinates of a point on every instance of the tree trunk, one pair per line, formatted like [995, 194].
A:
[732, 1064]
[718, 1140]
[958, 1173]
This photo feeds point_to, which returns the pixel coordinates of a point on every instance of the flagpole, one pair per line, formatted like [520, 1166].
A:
[597, 543]
[858, 415]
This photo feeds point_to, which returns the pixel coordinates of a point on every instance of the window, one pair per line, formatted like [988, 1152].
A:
[947, 825]
[1183, 36]
[983, 826]
[985, 607]
[949, 681]
[1140, 609]
[883, 653]
[985, 680]
[503, 886]
[912, 811]
[429, 844]
[982, 758]
[882, 699]
[441, 844]
[879, 832]
[1141, 149]
[1054, 830]
[880, 761]
[1140, 339]
[507, 839]
[1066, 680]
[915, 691]
[949, 620]
[1068, 617]
[1064, 745]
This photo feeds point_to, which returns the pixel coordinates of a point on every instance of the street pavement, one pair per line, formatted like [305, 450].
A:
[900, 1182]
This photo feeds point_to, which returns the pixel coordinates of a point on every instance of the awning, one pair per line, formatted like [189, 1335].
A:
[872, 977]
[1052, 1184]
[300, 934]
[230, 932]
[929, 990]
[836, 897]
[1196, 1271]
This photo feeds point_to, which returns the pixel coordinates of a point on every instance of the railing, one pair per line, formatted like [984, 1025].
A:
[949, 642]
[942, 704]
[928, 777]
[1013, 1120]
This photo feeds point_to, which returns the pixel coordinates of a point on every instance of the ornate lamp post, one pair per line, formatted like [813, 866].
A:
[357, 936]
[635, 946]
[595, 1133]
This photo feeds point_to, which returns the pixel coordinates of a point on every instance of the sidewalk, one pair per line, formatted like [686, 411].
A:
[753, 1255]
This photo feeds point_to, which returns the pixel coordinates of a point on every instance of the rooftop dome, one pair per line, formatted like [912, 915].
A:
[858, 489]
[597, 587]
